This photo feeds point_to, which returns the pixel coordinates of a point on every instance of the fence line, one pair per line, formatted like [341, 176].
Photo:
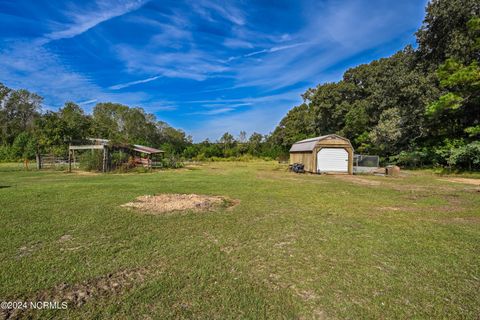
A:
[48, 161]
[365, 163]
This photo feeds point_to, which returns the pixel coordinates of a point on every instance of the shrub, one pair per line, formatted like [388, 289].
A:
[411, 159]
[466, 157]
[6, 153]
[241, 158]
[172, 162]
[23, 146]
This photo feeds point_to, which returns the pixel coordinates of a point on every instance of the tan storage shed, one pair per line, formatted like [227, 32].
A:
[326, 154]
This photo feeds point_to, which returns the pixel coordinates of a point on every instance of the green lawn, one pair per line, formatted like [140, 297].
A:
[296, 246]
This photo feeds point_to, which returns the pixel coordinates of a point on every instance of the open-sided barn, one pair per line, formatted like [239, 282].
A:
[325, 154]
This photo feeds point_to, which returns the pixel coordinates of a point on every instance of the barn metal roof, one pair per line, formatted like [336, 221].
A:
[136, 147]
[309, 144]
[145, 149]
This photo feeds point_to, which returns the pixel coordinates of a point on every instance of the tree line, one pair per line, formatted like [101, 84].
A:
[420, 106]
[26, 131]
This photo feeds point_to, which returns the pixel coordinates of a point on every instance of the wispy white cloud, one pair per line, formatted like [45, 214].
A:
[333, 32]
[213, 111]
[87, 102]
[83, 20]
[285, 96]
[193, 41]
[193, 64]
[237, 43]
[39, 70]
[261, 120]
[274, 49]
[173, 32]
[222, 104]
[268, 50]
[159, 107]
[225, 9]
[132, 83]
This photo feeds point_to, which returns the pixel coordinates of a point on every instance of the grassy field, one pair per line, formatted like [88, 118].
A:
[295, 246]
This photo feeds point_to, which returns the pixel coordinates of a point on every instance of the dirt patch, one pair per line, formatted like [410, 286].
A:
[75, 295]
[390, 208]
[65, 238]
[289, 176]
[357, 180]
[164, 203]
[475, 182]
[407, 187]
[85, 173]
[28, 250]
[231, 203]
[456, 220]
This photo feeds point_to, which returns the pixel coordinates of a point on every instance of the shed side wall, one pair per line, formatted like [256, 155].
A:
[304, 158]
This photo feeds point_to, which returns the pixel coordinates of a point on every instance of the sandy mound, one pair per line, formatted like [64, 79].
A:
[178, 202]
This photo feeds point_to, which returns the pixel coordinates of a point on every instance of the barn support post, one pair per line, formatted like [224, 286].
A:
[69, 159]
[104, 165]
[38, 158]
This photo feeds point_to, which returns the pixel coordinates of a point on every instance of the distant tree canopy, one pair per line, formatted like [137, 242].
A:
[419, 106]
[419, 103]
[25, 130]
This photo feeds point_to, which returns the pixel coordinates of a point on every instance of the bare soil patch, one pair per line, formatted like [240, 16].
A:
[294, 177]
[75, 295]
[65, 238]
[85, 173]
[357, 180]
[457, 220]
[29, 249]
[475, 182]
[172, 202]
[390, 208]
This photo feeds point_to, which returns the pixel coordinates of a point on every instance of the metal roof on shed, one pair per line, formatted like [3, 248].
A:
[136, 147]
[145, 149]
[309, 144]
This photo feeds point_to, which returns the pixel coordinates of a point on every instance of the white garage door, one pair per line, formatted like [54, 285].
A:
[332, 160]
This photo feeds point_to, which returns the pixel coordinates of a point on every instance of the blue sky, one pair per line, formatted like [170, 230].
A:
[204, 66]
